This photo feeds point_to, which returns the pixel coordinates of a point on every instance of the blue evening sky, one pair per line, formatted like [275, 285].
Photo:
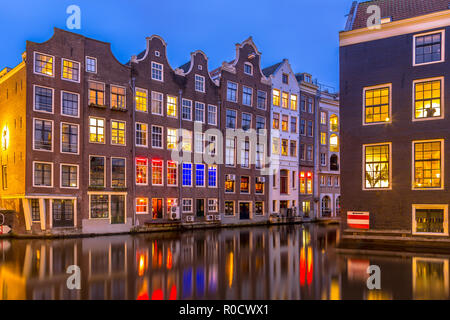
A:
[304, 31]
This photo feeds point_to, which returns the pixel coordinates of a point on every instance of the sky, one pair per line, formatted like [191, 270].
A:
[303, 31]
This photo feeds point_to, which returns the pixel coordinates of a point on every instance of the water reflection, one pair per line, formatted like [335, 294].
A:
[286, 262]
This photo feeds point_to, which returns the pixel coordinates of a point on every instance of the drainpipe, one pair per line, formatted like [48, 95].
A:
[133, 136]
[180, 172]
[316, 155]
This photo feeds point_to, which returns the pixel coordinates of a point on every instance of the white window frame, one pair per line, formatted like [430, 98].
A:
[182, 106]
[151, 71]
[430, 206]
[111, 173]
[234, 208]
[110, 97]
[364, 166]
[86, 60]
[60, 138]
[34, 64]
[385, 85]
[162, 137]
[147, 205]
[162, 103]
[191, 205]
[205, 175]
[442, 32]
[442, 141]
[68, 115]
[237, 92]
[52, 176]
[53, 99]
[162, 172]
[176, 174]
[62, 70]
[442, 79]
[195, 111]
[125, 133]
[146, 95]
[135, 172]
[146, 140]
[104, 170]
[104, 130]
[199, 79]
[251, 96]
[215, 115]
[78, 175]
[215, 202]
[34, 134]
[251, 68]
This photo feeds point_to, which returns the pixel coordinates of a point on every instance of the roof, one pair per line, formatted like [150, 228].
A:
[271, 70]
[185, 67]
[396, 10]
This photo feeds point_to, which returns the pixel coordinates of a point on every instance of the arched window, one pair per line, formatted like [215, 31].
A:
[334, 123]
[334, 163]
[326, 206]
[334, 143]
[338, 206]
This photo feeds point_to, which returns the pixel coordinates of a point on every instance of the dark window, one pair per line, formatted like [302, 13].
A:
[99, 206]
[42, 135]
[229, 208]
[246, 121]
[43, 99]
[260, 124]
[42, 174]
[117, 209]
[118, 172]
[284, 181]
[69, 176]
[428, 48]
[310, 128]
[35, 211]
[69, 137]
[70, 104]
[231, 91]
[97, 171]
[231, 119]
[259, 207]
[285, 78]
[262, 98]
[247, 96]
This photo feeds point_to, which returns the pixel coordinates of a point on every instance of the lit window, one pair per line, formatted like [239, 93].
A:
[142, 206]
[377, 104]
[171, 138]
[157, 172]
[276, 121]
[230, 151]
[229, 208]
[428, 48]
[293, 102]
[247, 96]
[199, 83]
[117, 132]
[284, 147]
[275, 145]
[259, 185]
[229, 183]
[186, 110]
[428, 164]
[212, 115]
[285, 100]
[212, 176]
[71, 70]
[43, 99]
[285, 123]
[69, 176]
[172, 173]
[427, 99]
[141, 100]
[187, 174]
[157, 71]
[99, 204]
[141, 171]
[431, 219]
[334, 143]
[141, 134]
[96, 130]
[97, 171]
[200, 175]
[157, 103]
[323, 118]
[43, 64]
[276, 97]
[377, 166]
[323, 138]
[157, 137]
[70, 104]
[69, 138]
[259, 208]
[171, 106]
[118, 98]
[293, 148]
[91, 65]
[245, 184]
[118, 169]
[199, 112]
[43, 135]
[96, 94]
[334, 123]
[232, 91]
[186, 140]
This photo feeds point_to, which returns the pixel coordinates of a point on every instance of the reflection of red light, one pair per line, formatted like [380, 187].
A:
[173, 293]
[310, 266]
[302, 174]
[157, 295]
[156, 161]
[143, 296]
[169, 259]
[302, 267]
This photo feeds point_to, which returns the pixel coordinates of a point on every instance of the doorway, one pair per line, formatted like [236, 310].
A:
[200, 205]
[244, 210]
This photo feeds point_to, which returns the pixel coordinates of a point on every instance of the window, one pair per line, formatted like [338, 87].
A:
[310, 128]
[157, 208]
[212, 115]
[141, 134]
[96, 94]
[275, 145]
[323, 138]
[285, 78]
[248, 68]
[212, 205]
[199, 83]
[334, 163]
[118, 169]
[186, 110]
[141, 100]
[284, 147]
[302, 152]
[157, 137]
[172, 173]
[232, 91]
[259, 185]
[303, 104]
[212, 176]
[284, 181]
[293, 102]
[293, 148]
[199, 142]
[99, 206]
[330, 182]
[231, 119]
[157, 172]
[326, 206]
[4, 177]
[187, 205]
[70, 104]
[377, 102]
[117, 132]
[302, 127]
[259, 208]
[306, 207]
[429, 48]
[428, 157]
[199, 112]
[246, 121]
[69, 138]
[427, 99]
[229, 183]
[229, 208]
[323, 180]
[377, 166]
[276, 97]
[172, 106]
[141, 171]
[323, 118]
[172, 139]
[262, 100]
[334, 143]
[285, 123]
[293, 124]
[157, 103]
[118, 98]
[259, 163]
[91, 65]
[323, 159]
[35, 210]
[187, 140]
[200, 175]
[212, 144]
[141, 205]
[230, 151]
[431, 219]
[43, 135]
[245, 184]
[70, 70]
[43, 99]
[96, 171]
[187, 174]
[276, 121]
[310, 105]
[294, 177]
[245, 154]
[96, 130]
[260, 124]
[309, 153]
[43, 64]
[334, 123]
[285, 100]
[157, 71]
[247, 94]
[43, 174]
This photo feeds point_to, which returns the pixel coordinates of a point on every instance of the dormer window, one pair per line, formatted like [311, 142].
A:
[157, 71]
[307, 78]
[248, 68]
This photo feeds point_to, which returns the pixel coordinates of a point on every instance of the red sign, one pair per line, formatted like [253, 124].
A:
[5, 229]
[358, 220]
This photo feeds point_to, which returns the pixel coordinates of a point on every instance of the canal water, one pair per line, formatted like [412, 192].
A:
[282, 262]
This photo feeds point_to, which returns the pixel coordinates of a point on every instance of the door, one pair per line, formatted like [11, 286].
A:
[157, 209]
[63, 213]
[200, 207]
[117, 209]
[244, 210]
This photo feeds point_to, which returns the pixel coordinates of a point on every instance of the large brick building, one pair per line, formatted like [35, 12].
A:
[394, 124]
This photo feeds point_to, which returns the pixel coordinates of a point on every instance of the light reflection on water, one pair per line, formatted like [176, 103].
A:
[284, 262]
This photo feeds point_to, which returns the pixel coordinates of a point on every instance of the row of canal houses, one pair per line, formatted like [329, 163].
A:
[91, 145]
